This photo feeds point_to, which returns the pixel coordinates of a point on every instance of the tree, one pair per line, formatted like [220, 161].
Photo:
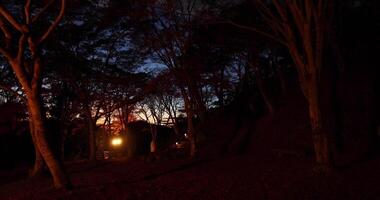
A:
[302, 26]
[25, 59]
[95, 60]
[166, 33]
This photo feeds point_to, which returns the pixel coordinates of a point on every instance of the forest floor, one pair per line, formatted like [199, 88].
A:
[258, 173]
[276, 163]
[228, 177]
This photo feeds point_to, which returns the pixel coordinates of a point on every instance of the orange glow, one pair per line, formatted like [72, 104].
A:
[116, 141]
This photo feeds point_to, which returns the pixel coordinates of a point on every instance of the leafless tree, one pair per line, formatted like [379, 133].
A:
[25, 58]
[303, 27]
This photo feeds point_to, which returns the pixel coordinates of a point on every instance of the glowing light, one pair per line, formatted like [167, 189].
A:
[116, 141]
[185, 135]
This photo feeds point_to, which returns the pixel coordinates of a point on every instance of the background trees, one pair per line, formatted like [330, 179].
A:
[113, 61]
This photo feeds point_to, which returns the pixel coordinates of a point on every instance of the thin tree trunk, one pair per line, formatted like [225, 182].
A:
[174, 121]
[320, 137]
[91, 140]
[175, 126]
[220, 97]
[190, 124]
[91, 135]
[38, 166]
[197, 100]
[60, 178]
[153, 143]
[38, 160]
[191, 129]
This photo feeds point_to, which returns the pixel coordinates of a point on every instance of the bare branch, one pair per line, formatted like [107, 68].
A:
[8, 16]
[280, 9]
[6, 32]
[21, 49]
[38, 15]
[298, 18]
[54, 24]
[27, 11]
[257, 31]
[36, 74]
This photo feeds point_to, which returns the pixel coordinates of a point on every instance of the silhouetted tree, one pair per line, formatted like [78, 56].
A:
[25, 58]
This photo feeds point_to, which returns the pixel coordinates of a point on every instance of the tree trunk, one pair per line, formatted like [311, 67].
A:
[91, 140]
[191, 134]
[38, 160]
[91, 135]
[38, 166]
[60, 178]
[190, 124]
[320, 137]
[191, 129]
[176, 127]
[197, 103]
[153, 143]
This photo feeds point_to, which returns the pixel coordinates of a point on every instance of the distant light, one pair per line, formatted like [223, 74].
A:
[116, 141]
[177, 143]
[185, 135]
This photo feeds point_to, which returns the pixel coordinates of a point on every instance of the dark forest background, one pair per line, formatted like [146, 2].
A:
[76, 73]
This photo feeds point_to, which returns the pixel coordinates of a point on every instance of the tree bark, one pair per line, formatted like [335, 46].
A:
[153, 143]
[38, 166]
[190, 124]
[319, 133]
[176, 127]
[195, 96]
[28, 71]
[38, 160]
[191, 129]
[60, 178]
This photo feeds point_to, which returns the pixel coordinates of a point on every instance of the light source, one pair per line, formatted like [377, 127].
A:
[117, 141]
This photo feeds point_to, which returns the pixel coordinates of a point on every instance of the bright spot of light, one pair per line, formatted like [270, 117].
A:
[185, 134]
[116, 141]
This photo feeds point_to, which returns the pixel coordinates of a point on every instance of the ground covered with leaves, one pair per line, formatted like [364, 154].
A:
[228, 177]
[275, 162]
